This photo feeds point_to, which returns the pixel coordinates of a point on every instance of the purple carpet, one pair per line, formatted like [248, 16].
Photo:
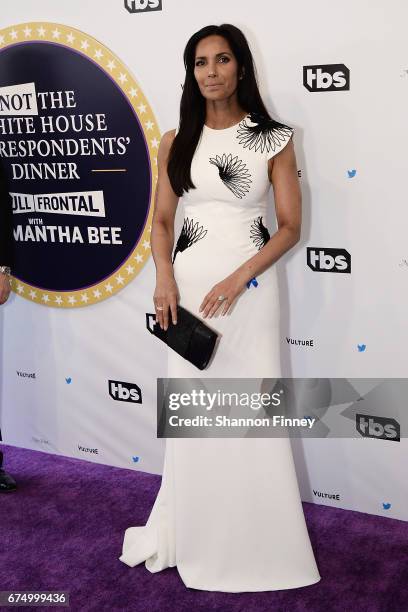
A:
[63, 529]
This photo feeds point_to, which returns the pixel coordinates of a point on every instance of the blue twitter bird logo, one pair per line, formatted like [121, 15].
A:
[253, 282]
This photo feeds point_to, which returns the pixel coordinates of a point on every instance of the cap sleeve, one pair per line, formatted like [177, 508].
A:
[279, 136]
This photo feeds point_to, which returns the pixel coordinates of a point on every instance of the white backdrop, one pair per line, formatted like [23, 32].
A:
[56, 363]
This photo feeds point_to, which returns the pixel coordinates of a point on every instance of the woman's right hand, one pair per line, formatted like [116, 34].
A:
[166, 297]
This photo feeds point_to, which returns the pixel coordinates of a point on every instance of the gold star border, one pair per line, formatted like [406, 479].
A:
[112, 65]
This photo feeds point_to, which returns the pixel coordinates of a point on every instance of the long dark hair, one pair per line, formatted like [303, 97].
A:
[193, 105]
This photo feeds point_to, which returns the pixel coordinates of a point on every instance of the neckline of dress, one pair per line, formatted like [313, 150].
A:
[231, 127]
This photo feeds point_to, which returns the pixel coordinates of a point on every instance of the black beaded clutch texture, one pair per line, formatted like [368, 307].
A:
[190, 337]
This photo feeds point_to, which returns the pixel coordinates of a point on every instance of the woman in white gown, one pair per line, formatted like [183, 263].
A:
[228, 513]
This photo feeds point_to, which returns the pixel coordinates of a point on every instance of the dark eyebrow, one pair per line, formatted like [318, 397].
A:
[217, 55]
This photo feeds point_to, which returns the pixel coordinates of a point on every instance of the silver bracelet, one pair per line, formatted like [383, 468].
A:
[5, 270]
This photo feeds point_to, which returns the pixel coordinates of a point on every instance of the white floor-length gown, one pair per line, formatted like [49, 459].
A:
[229, 513]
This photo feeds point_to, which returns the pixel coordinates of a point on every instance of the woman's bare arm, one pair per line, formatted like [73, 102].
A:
[282, 172]
[162, 236]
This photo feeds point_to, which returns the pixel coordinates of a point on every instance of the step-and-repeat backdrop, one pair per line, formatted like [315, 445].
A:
[86, 91]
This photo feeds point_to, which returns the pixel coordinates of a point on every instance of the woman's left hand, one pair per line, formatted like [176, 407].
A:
[230, 288]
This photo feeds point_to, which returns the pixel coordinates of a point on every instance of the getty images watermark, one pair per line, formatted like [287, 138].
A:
[210, 401]
[295, 407]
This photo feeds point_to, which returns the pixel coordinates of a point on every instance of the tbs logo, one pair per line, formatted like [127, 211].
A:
[328, 260]
[143, 6]
[125, 392]
[381, 428]
[326, 77]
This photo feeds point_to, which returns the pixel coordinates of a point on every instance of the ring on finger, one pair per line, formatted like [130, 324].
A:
[215, 307]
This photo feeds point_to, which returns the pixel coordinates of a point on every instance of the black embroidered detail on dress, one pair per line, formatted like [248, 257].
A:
[266, 135]
[259, 233]
[190, 233]
[233, 173]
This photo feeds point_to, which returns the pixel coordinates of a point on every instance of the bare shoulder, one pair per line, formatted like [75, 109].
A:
[284, 160]
[168, 137]
[166, 142]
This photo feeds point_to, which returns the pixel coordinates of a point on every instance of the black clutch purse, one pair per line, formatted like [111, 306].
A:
[190, 337]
